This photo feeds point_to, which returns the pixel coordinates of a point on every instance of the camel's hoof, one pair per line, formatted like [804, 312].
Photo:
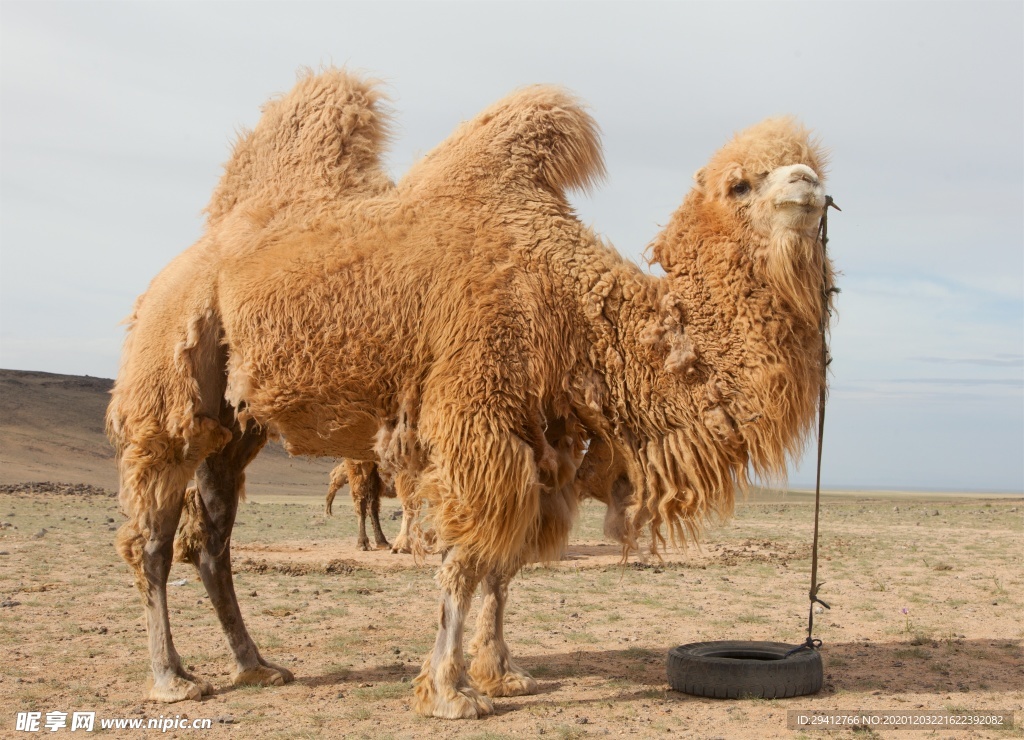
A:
[364, 546]
[465, 703]
[177, 688]
[263, 675]
[384, 545]
[401, 546]
[513, 684]
[450, 702]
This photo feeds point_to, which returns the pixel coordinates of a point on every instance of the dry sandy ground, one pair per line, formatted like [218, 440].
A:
[354, 626]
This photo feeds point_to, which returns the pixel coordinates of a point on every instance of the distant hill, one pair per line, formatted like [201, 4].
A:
[51, 429]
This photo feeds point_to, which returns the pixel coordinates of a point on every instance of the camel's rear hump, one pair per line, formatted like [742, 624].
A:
[538, 137]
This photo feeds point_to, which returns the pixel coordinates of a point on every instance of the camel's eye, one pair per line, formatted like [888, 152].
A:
[740, 188]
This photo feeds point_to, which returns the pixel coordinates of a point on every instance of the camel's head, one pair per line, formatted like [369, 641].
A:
[764, 191]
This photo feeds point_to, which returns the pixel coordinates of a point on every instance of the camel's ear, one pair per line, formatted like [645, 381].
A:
[699, 177]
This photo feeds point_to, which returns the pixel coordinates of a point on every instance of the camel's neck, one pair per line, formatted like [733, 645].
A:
[717, 377]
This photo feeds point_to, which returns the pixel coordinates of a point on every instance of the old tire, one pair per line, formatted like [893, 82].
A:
[733, 669]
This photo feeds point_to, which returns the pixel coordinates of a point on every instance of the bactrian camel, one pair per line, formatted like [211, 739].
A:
[368, 486]
[463, 326]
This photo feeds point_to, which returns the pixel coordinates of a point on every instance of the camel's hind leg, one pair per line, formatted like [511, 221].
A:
[374, 501]
[492, 670]
[152, 495]
[442, 688]
[221, 478]
[149, 550]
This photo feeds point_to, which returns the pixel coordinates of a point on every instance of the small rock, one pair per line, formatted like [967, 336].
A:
[225, 719]
[179, 582]
[4, 552]
[254, 594]
[40, 534]
[896, 509]
[582, 720]
[933, 512]
[9, 603]
[397, 651]
[340, 695]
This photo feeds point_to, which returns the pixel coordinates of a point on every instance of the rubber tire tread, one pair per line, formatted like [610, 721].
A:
[704, 669]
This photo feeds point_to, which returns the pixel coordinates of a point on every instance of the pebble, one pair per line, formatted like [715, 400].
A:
[9, 603]
[225, 719]
[40, 534]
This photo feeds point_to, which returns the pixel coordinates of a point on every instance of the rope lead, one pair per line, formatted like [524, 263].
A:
[826, 313]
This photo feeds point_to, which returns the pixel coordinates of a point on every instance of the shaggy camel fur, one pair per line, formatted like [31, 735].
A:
[367, 487]
[464, 327]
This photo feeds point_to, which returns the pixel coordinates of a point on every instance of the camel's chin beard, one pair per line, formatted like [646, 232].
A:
[792, 265]
[801, 216]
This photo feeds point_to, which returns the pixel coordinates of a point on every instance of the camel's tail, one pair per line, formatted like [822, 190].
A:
[320, 142]
[191, 535]
[539, 136]
[339, 478]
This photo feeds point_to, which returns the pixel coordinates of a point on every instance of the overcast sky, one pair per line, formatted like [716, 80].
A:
[115, 119]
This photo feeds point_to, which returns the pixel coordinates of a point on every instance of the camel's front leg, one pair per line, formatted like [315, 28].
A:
[404, 489]
[221, 478]
[403, 542]
[492, 670]
[442, 688]
[365, 484]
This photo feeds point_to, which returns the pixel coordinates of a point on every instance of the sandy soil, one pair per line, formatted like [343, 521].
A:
[925, 592]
